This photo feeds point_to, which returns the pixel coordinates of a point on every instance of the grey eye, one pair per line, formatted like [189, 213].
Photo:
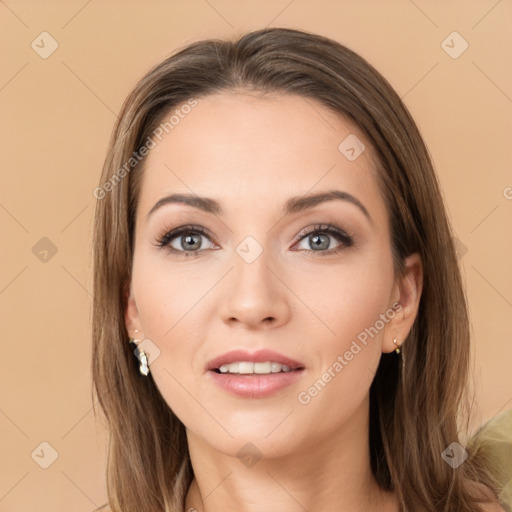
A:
[189, 242]
[316, 242]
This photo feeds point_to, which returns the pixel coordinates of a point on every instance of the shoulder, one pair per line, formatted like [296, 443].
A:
[483, 492]
[493, 507]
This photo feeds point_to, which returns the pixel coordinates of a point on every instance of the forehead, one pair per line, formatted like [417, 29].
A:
[240, 148]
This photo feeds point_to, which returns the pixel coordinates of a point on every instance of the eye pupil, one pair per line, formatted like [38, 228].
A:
[188, 241]
[318, 242]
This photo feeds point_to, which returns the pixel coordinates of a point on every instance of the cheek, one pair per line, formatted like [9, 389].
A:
[345, 335]
[166, 295]
[337, 389]
[343, 301]
[171, 314]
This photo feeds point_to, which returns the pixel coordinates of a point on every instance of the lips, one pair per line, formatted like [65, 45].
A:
[259, 356]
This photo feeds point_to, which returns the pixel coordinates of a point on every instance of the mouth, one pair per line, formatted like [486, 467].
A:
[248, 368]
[259, 374]
[261, 362]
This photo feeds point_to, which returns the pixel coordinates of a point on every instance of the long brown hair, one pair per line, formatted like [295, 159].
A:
[415, 413]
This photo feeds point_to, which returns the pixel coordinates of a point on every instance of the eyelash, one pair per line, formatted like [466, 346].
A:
[326, 229]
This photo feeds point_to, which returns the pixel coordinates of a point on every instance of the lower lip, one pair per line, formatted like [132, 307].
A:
[254, 385]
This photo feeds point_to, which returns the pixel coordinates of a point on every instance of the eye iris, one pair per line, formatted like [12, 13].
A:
[318, 243]
[189, 239]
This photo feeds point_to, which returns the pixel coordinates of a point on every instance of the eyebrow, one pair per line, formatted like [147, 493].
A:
[292, 205]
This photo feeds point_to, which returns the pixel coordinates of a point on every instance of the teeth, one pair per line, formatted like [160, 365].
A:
[246, 367]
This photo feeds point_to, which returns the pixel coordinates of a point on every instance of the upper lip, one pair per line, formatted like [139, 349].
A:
[259, 356]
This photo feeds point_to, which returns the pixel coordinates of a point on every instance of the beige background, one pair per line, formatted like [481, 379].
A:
[57, 114]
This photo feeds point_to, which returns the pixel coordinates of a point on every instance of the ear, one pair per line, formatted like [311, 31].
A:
[131, 313]
[407, 293]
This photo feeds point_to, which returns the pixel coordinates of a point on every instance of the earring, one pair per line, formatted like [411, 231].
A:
[397, 350]
[141, 356]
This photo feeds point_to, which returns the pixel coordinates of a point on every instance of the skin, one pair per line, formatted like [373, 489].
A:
[239, 148]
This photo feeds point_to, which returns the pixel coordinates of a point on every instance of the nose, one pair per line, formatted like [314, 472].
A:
[255, 296]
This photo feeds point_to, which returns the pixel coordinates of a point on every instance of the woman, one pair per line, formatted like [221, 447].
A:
[270, 238]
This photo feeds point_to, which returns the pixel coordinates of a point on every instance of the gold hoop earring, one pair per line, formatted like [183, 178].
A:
[140, 355]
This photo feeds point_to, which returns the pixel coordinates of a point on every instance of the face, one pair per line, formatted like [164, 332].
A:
[265, 269]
